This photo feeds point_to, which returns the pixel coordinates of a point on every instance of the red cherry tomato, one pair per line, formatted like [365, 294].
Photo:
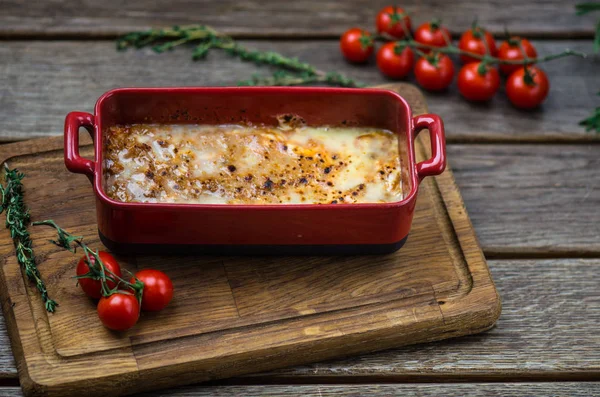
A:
[158, 289]
[477, 82]
[476, 40]
[393, 21]
[436, 73]
[356, 45]
[395, 66]
[92, 287]
[432, 34]
[119, 311]
[527, 91]
[512, 50]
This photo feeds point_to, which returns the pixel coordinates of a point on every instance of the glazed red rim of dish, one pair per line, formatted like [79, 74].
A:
[94, 125]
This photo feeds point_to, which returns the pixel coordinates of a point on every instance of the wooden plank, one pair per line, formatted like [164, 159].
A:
[42, 81]
[274, 18]
[572, 389]
[531, 199]
[350, 390]
[547, 330]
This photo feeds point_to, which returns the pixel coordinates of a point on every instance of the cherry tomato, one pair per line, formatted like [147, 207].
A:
[477, 82]
[393, 21]
[476, 40]
[119, 311]
[434, 73]
[527, 91]
[512, 50]
[92, 287]
[432, 34]
[356, 45]
[158, 289]
[394, 65]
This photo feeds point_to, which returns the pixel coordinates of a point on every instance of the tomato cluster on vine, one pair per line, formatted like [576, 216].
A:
[424, 52]
[120, 301]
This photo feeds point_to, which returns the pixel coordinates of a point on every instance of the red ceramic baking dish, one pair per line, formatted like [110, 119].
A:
[256, 229]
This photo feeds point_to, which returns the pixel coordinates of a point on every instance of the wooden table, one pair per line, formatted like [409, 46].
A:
[530, 180]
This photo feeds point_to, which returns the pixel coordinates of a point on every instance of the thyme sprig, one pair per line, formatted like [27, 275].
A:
[97, 269]
[290, 70]
[17, 219]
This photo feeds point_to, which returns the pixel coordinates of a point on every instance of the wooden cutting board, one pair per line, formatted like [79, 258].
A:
[235, 315]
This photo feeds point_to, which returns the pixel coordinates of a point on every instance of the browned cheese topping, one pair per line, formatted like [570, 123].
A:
[233, 164]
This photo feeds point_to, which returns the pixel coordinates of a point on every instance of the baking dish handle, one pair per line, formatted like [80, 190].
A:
[73, 161]
[437, 163]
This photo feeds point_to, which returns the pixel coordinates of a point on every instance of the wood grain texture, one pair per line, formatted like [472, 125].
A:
[43, 81]
[577, 389]
[449, 390]
[547, 331]
[572, 389]
[273, 18]
[531, 199]
[233, 319]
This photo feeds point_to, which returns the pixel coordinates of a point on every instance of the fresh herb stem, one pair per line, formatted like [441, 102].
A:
[17, 219]
[290, 71]
[98, 270]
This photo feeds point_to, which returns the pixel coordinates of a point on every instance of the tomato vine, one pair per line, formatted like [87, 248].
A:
[98, 270]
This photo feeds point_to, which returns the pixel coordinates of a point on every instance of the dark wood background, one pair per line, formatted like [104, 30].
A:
[530, 180]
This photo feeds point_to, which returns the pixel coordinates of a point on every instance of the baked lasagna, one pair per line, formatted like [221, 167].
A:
[237, 164]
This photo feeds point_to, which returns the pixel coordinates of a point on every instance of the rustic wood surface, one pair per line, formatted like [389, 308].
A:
[272, 18]
[43, 81]
[548, 329]
[550, 314]
[528, 200]
[351, 390]
[233, 312]
[550, 311]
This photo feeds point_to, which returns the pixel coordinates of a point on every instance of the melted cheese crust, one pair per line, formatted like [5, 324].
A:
[233, 164]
